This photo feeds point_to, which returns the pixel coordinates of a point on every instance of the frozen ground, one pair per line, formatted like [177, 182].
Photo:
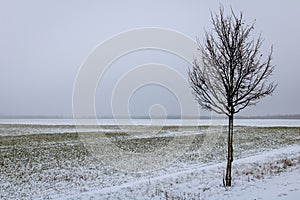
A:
[271, 175]
[39, 165]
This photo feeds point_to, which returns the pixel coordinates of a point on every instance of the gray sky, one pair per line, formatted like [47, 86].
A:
[44, 43]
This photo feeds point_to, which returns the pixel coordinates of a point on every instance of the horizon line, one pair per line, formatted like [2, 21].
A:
[31, 116]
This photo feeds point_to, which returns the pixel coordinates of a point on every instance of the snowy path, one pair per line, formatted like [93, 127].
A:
[285, 186]
[205, 182]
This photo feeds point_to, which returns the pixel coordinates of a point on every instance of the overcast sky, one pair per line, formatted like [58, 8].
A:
[44, 43]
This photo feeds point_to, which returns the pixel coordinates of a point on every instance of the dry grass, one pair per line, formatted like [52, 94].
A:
[263, 170]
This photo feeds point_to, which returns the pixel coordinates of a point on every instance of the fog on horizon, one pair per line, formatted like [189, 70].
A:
[44, 43]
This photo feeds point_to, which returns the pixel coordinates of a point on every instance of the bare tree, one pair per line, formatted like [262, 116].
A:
[232, 74]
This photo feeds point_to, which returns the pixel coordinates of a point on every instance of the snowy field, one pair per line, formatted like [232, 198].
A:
[58, 160]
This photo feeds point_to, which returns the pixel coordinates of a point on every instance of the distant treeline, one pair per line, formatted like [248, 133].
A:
[270, 117]
[297, 116]
[34, 117]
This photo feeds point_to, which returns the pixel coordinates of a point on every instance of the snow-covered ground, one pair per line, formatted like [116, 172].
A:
[269, 175]
[54, 161]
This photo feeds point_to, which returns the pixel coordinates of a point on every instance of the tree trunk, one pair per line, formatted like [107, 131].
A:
[229, 151]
